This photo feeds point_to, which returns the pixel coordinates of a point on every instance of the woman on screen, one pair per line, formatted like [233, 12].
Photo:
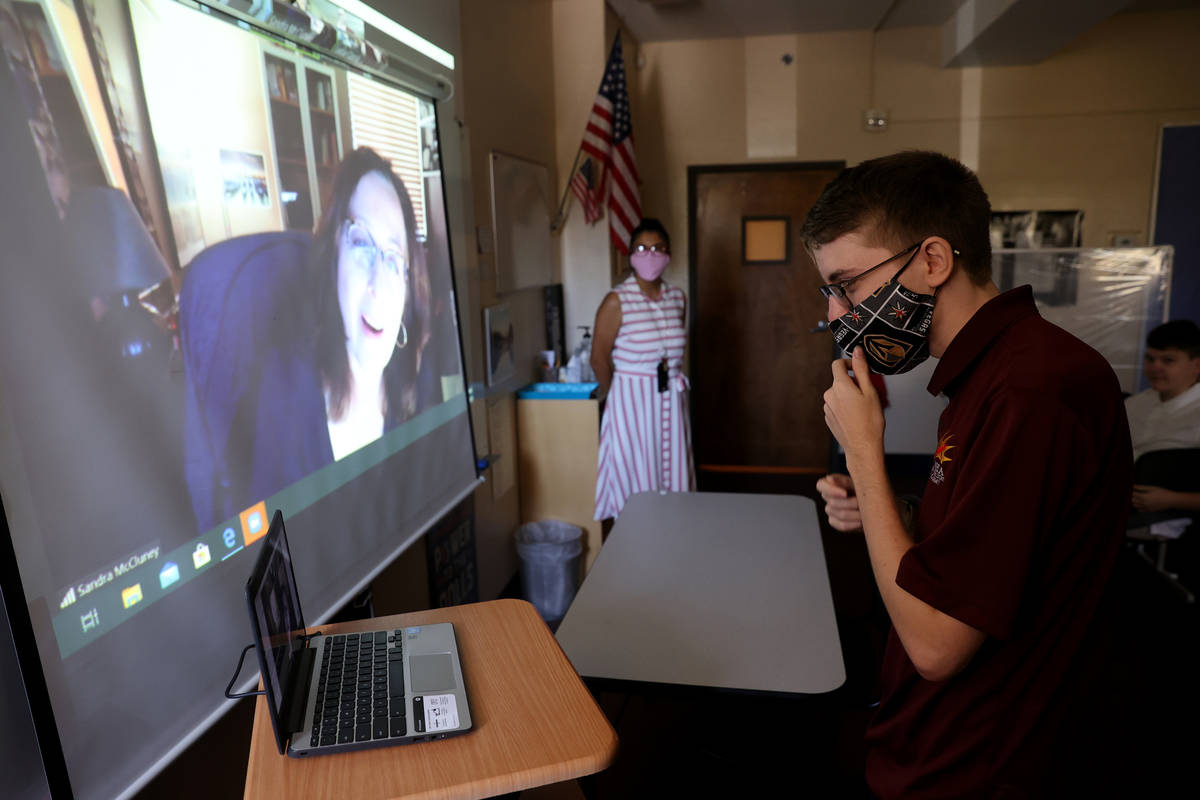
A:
[371, 289]
[300, 350]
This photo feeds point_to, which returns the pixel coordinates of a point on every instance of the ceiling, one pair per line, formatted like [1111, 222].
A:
[975, 32]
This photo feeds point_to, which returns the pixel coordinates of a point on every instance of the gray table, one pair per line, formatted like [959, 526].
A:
[707, 589]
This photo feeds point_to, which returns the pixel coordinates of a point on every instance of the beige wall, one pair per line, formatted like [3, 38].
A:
[580, 50]
[508, 99]
[506, 81]
[1079, 130]
[693, 100]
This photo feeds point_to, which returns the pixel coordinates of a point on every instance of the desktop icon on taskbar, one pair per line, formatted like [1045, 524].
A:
[254, 522]
[132, 595]
[168, 575]
[200, 556]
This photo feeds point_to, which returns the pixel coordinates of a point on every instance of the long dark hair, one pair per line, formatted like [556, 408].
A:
[400, 375]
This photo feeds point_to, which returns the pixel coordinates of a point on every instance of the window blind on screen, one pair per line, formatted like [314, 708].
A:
[386, 120]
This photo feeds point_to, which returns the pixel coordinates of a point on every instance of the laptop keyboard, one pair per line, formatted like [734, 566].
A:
[360, 689]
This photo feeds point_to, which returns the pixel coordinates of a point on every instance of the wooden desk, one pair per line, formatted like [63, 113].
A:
[707, 589]
[535, 722]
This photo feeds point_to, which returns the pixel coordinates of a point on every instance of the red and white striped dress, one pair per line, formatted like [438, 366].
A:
[645, 437]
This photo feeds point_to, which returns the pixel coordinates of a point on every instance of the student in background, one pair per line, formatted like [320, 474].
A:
[993, 583]
[637, 355]
[1167, 415]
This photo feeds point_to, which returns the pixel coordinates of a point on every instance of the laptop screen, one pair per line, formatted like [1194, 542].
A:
[275, 606]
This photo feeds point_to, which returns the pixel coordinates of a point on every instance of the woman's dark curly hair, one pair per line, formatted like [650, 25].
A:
[400, 375]
[649, 225]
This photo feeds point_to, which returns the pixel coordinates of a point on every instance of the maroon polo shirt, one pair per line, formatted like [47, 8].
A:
[1017, 533]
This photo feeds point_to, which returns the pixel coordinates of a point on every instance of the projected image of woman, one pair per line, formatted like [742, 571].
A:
[300, 351]
[371, 281]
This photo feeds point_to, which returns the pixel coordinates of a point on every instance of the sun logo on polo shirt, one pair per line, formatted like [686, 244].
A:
[943, 447]
[941, 456]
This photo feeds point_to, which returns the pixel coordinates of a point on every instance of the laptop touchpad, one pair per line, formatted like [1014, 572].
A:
[431, 673]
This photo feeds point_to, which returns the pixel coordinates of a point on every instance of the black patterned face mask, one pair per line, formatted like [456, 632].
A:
[892, 325]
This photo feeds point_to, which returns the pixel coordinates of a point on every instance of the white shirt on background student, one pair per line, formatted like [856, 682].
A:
[1158, 424]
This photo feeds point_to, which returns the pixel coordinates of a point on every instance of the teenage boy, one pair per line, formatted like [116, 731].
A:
[1167, 415]
[993, 582]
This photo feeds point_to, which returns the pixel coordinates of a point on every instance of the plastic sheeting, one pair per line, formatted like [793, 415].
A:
[1108, 297]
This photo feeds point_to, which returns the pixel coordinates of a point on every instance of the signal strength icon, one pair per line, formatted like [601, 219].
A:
[68, 599]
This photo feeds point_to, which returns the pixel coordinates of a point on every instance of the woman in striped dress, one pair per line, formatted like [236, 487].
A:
[637, 354]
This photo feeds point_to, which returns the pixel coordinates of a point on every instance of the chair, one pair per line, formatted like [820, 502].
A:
[1177, 470]
[238, 300]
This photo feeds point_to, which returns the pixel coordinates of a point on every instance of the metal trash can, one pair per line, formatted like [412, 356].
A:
[549, 552]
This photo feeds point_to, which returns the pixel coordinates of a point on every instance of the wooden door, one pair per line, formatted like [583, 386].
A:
[757, 370]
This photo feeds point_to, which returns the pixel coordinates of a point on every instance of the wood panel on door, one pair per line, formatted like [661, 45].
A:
[758, 373]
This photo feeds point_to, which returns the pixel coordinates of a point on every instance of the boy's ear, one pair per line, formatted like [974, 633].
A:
[938, 256]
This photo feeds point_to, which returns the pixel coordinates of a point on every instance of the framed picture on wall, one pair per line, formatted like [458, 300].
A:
[1012, 229]
[1036, 229]
[1053, 280]
[1059, 228]
[244, 179]
[499, 331]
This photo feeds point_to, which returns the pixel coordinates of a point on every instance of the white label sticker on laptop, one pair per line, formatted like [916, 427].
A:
[441, 712]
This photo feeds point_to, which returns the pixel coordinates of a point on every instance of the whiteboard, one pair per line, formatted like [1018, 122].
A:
[521, 222]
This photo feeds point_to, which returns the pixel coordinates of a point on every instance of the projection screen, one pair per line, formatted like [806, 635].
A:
[226, 289]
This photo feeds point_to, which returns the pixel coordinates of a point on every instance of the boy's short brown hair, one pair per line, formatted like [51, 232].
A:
[903, 198]
[1180, 334]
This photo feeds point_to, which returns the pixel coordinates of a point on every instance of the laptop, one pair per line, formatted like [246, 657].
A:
[334, 694]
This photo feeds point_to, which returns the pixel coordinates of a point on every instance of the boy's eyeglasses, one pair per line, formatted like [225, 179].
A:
[838, 289]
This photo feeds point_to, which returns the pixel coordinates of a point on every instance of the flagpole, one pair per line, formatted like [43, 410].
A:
[558, 218]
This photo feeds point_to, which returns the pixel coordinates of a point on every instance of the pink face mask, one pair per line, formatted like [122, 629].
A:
[649, 265]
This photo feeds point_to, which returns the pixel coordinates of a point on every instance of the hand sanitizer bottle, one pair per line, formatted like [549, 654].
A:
[583, 354]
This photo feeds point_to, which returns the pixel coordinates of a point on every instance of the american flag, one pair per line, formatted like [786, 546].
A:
[608, 142]
[585, 187]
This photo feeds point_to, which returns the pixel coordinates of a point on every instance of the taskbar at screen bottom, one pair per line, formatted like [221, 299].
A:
[115, 594]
